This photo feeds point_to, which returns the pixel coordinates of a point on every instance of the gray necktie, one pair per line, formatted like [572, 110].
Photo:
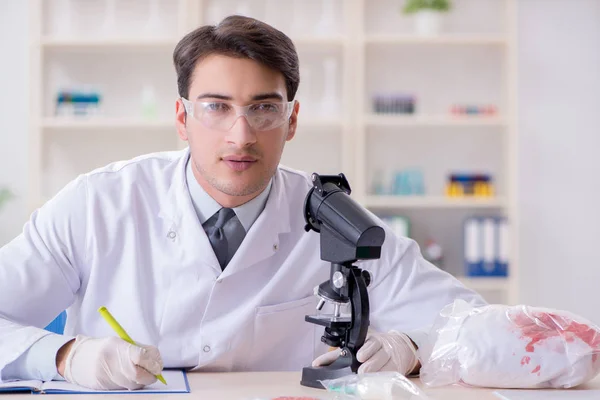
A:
[225, 234]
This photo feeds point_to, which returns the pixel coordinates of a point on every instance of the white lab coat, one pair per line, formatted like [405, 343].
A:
[126, 236]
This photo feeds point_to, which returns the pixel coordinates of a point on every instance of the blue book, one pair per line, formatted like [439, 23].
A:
[177, 382]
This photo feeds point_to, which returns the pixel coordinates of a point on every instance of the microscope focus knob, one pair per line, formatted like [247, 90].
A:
[338, 279]
[367, 277]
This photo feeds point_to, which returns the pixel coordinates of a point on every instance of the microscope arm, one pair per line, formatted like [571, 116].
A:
[360, 312]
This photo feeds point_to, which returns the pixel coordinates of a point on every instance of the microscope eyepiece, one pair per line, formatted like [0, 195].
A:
[348, 232]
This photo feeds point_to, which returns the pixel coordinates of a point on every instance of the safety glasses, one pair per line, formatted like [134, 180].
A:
[222, 116]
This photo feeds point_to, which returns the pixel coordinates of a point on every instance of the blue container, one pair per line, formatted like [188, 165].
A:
[58, 325]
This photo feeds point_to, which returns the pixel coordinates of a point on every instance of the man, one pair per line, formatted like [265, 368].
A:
[201, 254]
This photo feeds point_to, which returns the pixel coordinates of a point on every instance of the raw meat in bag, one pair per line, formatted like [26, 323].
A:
[510, 347]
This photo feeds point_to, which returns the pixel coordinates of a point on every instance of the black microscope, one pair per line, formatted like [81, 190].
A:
[348, 233]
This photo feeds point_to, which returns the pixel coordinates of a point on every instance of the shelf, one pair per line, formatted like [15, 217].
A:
[114, 123]
[433, 120]
[485, 283]
[465, 40]
[122, 42]
[107, 43]
[396, 202]
[319, 122]
[334, 40]
[106, 123]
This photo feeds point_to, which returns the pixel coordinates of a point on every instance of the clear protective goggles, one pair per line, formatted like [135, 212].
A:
[222, 116]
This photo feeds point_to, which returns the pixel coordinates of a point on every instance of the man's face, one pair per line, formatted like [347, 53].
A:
[239, 161]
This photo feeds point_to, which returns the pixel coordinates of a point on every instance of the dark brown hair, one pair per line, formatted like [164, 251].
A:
[242, 37]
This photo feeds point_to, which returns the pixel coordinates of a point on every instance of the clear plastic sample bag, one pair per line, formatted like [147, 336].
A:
[510, 347]
[374, 386]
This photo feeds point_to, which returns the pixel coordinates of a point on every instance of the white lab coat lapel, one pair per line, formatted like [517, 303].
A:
[262, 240]
[181, 224]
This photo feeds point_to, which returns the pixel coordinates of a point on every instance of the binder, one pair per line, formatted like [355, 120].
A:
[473, 255]
[503, 250]
[486, 246]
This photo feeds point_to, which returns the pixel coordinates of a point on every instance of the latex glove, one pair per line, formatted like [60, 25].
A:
[111, 363]
[392, 351]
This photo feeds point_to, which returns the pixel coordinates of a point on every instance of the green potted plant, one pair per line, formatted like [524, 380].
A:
[427, 14]
[5, 196]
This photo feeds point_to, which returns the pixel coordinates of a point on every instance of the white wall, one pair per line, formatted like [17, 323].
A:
[559, 154]
[14, 87]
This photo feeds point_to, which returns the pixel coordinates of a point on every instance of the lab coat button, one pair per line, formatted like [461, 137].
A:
[172, 235]
[206, 349]
[219, 280]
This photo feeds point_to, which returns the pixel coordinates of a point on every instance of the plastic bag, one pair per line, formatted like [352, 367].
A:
[286, 398]
[510, 347]
[376, 386]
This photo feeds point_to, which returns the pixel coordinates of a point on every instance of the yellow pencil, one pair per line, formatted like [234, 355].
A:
[121, 332]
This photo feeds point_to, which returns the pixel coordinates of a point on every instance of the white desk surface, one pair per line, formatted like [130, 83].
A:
[267, 385]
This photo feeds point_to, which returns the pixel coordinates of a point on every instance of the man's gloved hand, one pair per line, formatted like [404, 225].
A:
[111, 363]
[392, 351]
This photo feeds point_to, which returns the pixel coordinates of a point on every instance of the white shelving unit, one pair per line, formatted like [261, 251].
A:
[373, 49]
[333, 40]
[105, 123]
[108, 44]
[431, 202]
[473, 60]
[486, 284]
[433, 120]
[461, 40]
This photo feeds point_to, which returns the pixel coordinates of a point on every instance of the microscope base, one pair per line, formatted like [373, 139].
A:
[312, 375]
